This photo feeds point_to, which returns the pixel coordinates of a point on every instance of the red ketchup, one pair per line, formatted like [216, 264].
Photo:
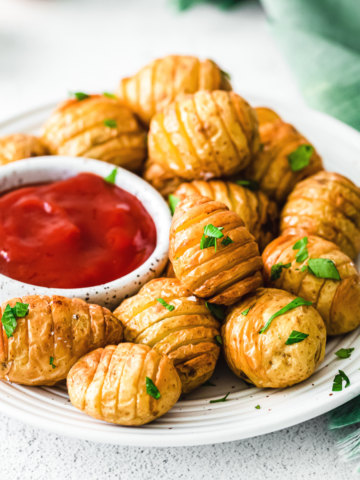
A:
[75, 233]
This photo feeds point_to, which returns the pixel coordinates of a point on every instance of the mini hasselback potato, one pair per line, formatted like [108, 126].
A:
[96, 127]
[56, 328]
[186, 333]
[327, 205]
[19, 146]
[264, 359]
[225, 270]
[158, 84]
[272, 167]
[259, 214]
[204, 135]
[337, 301]
[110, 384]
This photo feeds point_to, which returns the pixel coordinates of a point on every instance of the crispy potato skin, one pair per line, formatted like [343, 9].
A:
[186, 335]
[270, 167]
[57, 327]
[264, 359]
[160, 82]
[259, 214]
[201, 136]
[77, 128]
[337, 301]
[327, 205]
[224, 276]
[110, 384]
[19, 146]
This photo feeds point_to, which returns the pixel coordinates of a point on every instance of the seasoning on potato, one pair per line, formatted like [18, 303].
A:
[323, 274]
[212, 252]
[158, 84]
[259, 214]
[202, 136]
[126, 384]
[19, 146]
[286, 157]
[42, 337]
[166, 316]
[327, 205]
[273, 339]
[96, 126]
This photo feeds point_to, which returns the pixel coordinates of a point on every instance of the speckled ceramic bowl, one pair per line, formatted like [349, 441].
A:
[50, 169]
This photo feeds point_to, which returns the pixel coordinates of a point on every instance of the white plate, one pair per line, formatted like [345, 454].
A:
[193, 420]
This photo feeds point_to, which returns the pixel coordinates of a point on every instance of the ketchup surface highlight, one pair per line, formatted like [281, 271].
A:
[74, 233]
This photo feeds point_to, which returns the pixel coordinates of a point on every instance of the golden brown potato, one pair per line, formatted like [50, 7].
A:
[221, 274]
[96, 127]
[260, 215]
[110, 384]
[55, 328]
[271, 167]
[201, 136]
[163, 180]
[19, 146]
[264, 359]
[158, 84]
[337, 301]
[326, 205]
[186, 333]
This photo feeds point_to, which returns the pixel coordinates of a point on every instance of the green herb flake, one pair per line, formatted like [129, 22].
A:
[226, 241]
[298, 302]
[218, 340]
[166, 305]
[344, 352]
[108, 122]
[10, 316]
[218, 311]
[80, 96]
[110, 95]
[220, 399]
[303, 268]
[249, 184]
[296, 337]
[210, 235]
[300, 158]
[257, 407]
[151, 389]
[173, 201]
[323, 268]
[276, 270]
[208, 384]
[337, 384]
[245, 312]
[303, 253]
[52, 362]
[112, 177]
[225, 74]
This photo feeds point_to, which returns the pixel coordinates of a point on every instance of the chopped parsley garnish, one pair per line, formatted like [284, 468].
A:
[112, 177]
[276, 270]
[220, 399]
[225, 74]
[210, 235]
[303, 268]
[344, 352]
[323, 268]
[300, 158]
[110, 95]
[52, 362]
[337, 385]
[296, 337]
[173, 201]
[108, 122]
[226, 241]
[80, 96]
[257, 407]
[303, 253]
[218, 339]
[245, 312]
[10, 316]
[249, 184]
[151, 389]
[217, 311]
[208, 384]
[298, 302]
[166, 305]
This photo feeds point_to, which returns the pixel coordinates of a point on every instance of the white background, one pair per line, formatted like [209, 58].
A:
[51, 47]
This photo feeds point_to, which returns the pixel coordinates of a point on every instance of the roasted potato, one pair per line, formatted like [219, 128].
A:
[337, 301]
[110, 384]
[265, 359]
[96, 127]
[19, 146]
[54, 334]
[273, 167]
[158, 84]
[326, 205]
[162, 179]
[201, 136]
[185, 330]
[227, 267]
[259, 214]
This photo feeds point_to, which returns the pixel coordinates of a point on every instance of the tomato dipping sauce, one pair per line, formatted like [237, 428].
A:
[74, 233]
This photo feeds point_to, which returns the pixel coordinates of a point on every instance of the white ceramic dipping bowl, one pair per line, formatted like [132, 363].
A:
[54, 168]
